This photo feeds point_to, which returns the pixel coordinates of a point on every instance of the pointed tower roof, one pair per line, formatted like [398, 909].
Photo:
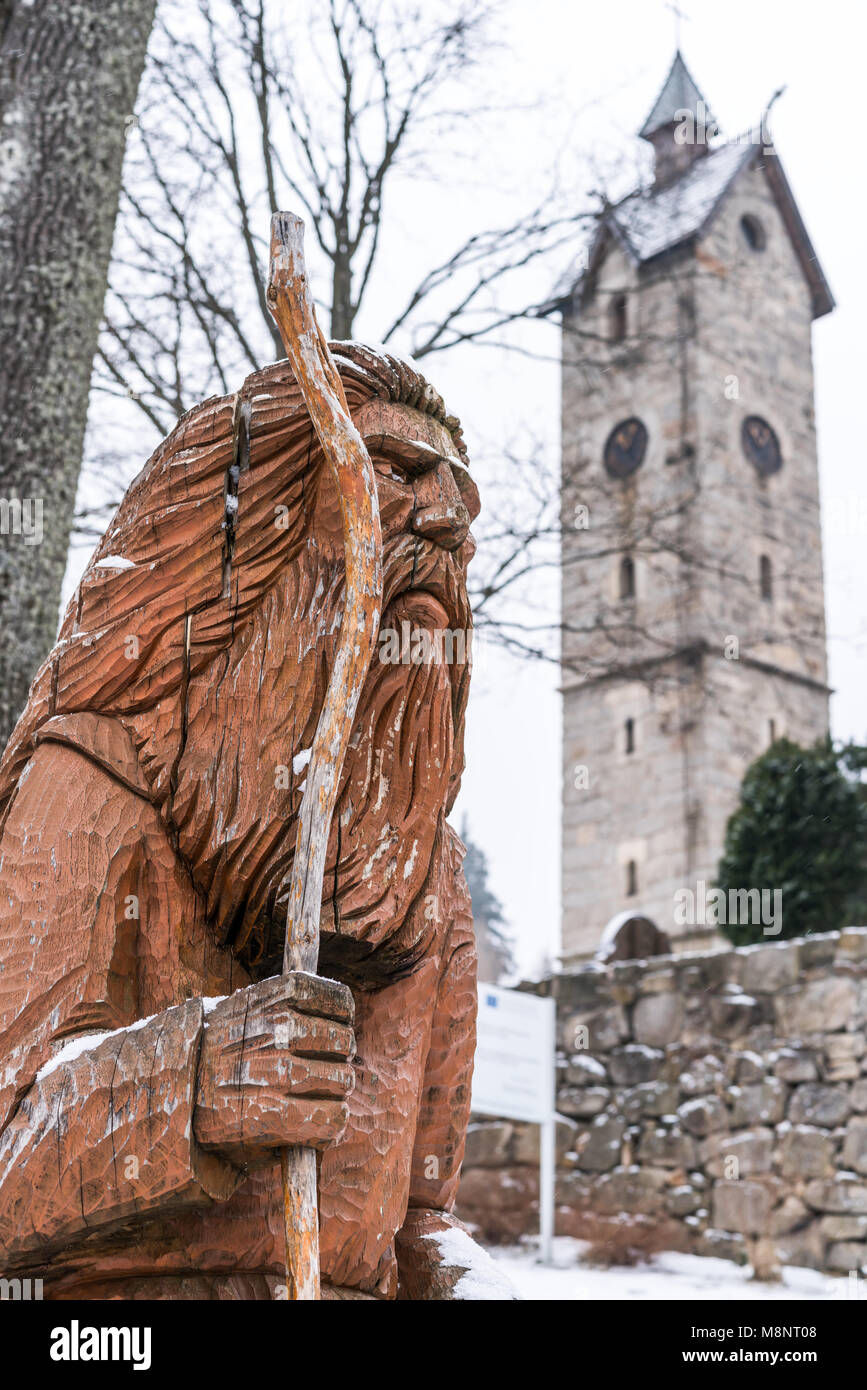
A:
[679, 93]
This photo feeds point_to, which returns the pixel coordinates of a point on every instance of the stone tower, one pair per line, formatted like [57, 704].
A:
[692, 589]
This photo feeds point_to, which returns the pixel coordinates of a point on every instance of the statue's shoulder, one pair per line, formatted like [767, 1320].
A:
[101, 738]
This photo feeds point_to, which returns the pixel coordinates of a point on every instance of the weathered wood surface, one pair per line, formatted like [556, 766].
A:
[149, 807]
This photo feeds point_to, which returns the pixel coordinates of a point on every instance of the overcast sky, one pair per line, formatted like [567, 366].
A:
[575, 81]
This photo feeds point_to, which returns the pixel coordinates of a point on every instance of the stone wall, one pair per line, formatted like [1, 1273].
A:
[714, 1102]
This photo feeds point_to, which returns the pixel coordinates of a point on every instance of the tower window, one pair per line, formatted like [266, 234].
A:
[629, 729]
[772, 730]
[753, 232]
[631, 879]
[625, 448]
[766, 582]
[627, 577]
[618, 320]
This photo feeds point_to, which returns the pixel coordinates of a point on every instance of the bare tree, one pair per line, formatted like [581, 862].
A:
[244, 110]
[243, 113]
[68, 80]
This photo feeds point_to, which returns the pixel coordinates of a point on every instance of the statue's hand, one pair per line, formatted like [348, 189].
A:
[275, 1068]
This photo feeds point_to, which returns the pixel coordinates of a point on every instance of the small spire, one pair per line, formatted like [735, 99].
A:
[679, 93]
[678, 125]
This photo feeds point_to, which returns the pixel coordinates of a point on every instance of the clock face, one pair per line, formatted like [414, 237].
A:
[625, 448]
[761, 445]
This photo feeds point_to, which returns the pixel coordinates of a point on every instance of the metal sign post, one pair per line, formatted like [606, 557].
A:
[514, 1078]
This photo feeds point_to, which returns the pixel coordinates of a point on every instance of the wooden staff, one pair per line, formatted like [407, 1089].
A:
[290, 302]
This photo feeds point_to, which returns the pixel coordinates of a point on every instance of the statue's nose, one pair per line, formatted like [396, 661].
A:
[445, 523]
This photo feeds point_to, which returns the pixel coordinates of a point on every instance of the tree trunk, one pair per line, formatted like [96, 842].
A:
[342, 314]
[69, 75]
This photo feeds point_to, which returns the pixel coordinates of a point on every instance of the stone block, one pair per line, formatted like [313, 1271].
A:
[844, 1227]
[843, 1194]
[635, 1063]
[795, 1064]
[657, 982]
[815, 1104]
[818, 1006]
[703, 1115]
[769, 968]
[488, 1144]
[582, 990]
[598, 1147]
[582, 1070]
[853, 943]
[819, 949]
[842, 1052]
[657, 1019]
[666, 1147]
[738, 1155]
[846, 1255]
[764, 1103]
[527, 1139]
[582, 1102]
[855, 1144]
[704, 1076]
[683, 1201]
[804, 1246]
[733, 1014]
[789, 1215]
[805, 1152]
[749, 1067]
[640, 1191]
[593, 1032]
[651, 1098]
[500, 1203]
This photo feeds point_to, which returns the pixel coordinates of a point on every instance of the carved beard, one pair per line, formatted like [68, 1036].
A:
[238, 783]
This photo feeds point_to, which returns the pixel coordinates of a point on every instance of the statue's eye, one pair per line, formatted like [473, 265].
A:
[389, 468]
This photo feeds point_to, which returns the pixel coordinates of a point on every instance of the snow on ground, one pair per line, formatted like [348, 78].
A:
[668, 1276]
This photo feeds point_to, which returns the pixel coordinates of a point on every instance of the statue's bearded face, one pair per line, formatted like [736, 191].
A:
[427, 503]
[236, 813]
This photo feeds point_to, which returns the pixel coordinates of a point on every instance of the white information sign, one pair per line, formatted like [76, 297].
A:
[514, 1078]
[514, 1072]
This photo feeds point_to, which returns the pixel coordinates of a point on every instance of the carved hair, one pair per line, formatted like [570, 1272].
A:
[220, 508]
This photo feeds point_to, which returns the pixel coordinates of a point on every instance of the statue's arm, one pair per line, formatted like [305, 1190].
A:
[105, 1116]
[105, 1134]
[171, 1113]
[95, 1106]
[437, 1257]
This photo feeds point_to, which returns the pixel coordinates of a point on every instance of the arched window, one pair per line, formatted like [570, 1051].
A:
[631, 879]
[627, 577]
[618, 319]
[753, 232]
[766, 582]
[629, 729]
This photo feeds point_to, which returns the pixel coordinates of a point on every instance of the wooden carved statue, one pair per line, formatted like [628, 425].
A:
[226, 730]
